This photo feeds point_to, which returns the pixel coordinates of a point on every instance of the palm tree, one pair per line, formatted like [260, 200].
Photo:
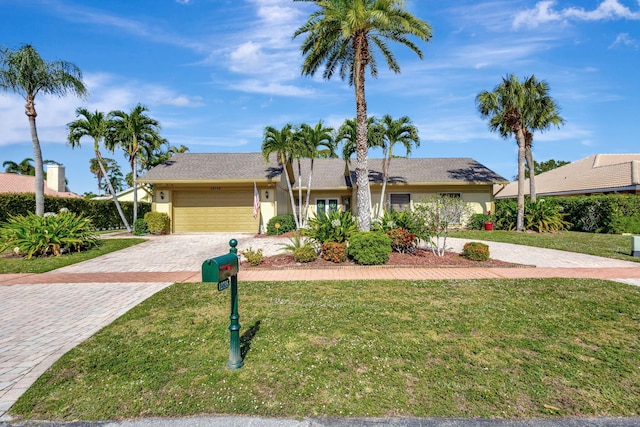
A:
[280, 142]
[94, 125]
[113, 174]
[347, 134]
[514, 107]
[133, 132]
[395, 131]
[318, 143]
[345, 35]
[544, 114]
[25, 167]
[23, 71]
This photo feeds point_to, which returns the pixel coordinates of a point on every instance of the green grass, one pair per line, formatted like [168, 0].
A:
[482, 348]
[605, 245]
[11, 264]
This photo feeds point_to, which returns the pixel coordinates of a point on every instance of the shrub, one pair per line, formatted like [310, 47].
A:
[438, 215]
[402, 240]
[337, 226]
[369, 248]
[543, 216]
[280, 224]
[47, 235]
[295, 242]
[157, 222]
[392, 219]
[253, 257]
[476, 222]
[334, 251]
[625, 224]
[305, 254]
[475, 251]
[140, 227]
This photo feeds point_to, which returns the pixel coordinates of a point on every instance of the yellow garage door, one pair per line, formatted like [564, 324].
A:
[200, 211]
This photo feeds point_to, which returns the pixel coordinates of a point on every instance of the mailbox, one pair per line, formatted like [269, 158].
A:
[220, 269]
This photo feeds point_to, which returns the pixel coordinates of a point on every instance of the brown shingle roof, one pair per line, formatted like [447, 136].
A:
[594, 174]
[328, 173]
[212, 167]
[15, 183]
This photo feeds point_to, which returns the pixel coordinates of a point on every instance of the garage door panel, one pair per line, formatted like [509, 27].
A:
[195, 211]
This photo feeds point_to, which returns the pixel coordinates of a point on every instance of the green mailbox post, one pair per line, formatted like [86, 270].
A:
[224, 270]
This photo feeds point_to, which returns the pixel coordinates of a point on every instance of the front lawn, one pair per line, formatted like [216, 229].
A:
[480, 348]
[13, 264]
[605, 245]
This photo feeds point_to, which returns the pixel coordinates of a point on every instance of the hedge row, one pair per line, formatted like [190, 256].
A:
[103, 213]
[611, 213]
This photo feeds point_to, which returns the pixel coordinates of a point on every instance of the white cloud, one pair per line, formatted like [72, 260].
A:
[270, 88]
[624, 39]
[544, 12]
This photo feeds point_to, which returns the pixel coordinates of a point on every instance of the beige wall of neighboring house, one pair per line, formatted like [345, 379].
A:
[214, 192]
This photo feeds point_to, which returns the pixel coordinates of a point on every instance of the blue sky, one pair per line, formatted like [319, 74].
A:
[216, 72]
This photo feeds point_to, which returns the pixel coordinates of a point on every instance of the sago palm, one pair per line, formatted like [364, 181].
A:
[345, 36]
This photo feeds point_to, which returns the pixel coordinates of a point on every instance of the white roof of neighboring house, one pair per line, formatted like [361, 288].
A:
[600, 173]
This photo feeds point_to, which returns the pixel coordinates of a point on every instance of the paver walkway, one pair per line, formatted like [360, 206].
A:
[45, 315]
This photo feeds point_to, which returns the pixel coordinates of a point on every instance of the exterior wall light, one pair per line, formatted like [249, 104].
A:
[266, 194]
[162, 195]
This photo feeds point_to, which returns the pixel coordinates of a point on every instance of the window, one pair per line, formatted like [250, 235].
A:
[324, 206]
[400, 202]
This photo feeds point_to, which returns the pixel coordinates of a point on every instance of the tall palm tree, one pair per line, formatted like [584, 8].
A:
[514, 107]
[546, 113]
[94, 125]
[281, 143]
[318, 143]
[347, 134]
[25, 72]
[344, 35]
[133, 132]
[395, 131]
[25, 167]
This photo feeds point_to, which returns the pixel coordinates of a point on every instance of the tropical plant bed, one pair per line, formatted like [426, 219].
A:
[420, 258]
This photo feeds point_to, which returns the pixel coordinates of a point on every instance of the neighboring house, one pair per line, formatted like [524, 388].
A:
[215, 192]
[597, 174]
[54, 185]
[144, 195]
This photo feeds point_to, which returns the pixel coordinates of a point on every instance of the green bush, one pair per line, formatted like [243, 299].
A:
[337, 226]
[546, 215]
[402, 240]
[609, 213]
[140, 227]
[50, 234]
[369, 248]
[305, 254]
[334, 251]
[102, 213]
[157, 222]
[475, 251]
[281, 224]
[253, 257]
[620, 224]
[476, 222]
[392, 219]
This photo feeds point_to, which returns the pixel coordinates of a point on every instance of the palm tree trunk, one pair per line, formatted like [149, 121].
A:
[362, 169]
[306, 209]
[300, 193]
[521, 159]
[30, 111]
[385, 177]
[293, 200]
[113, 192]
[532, 173]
